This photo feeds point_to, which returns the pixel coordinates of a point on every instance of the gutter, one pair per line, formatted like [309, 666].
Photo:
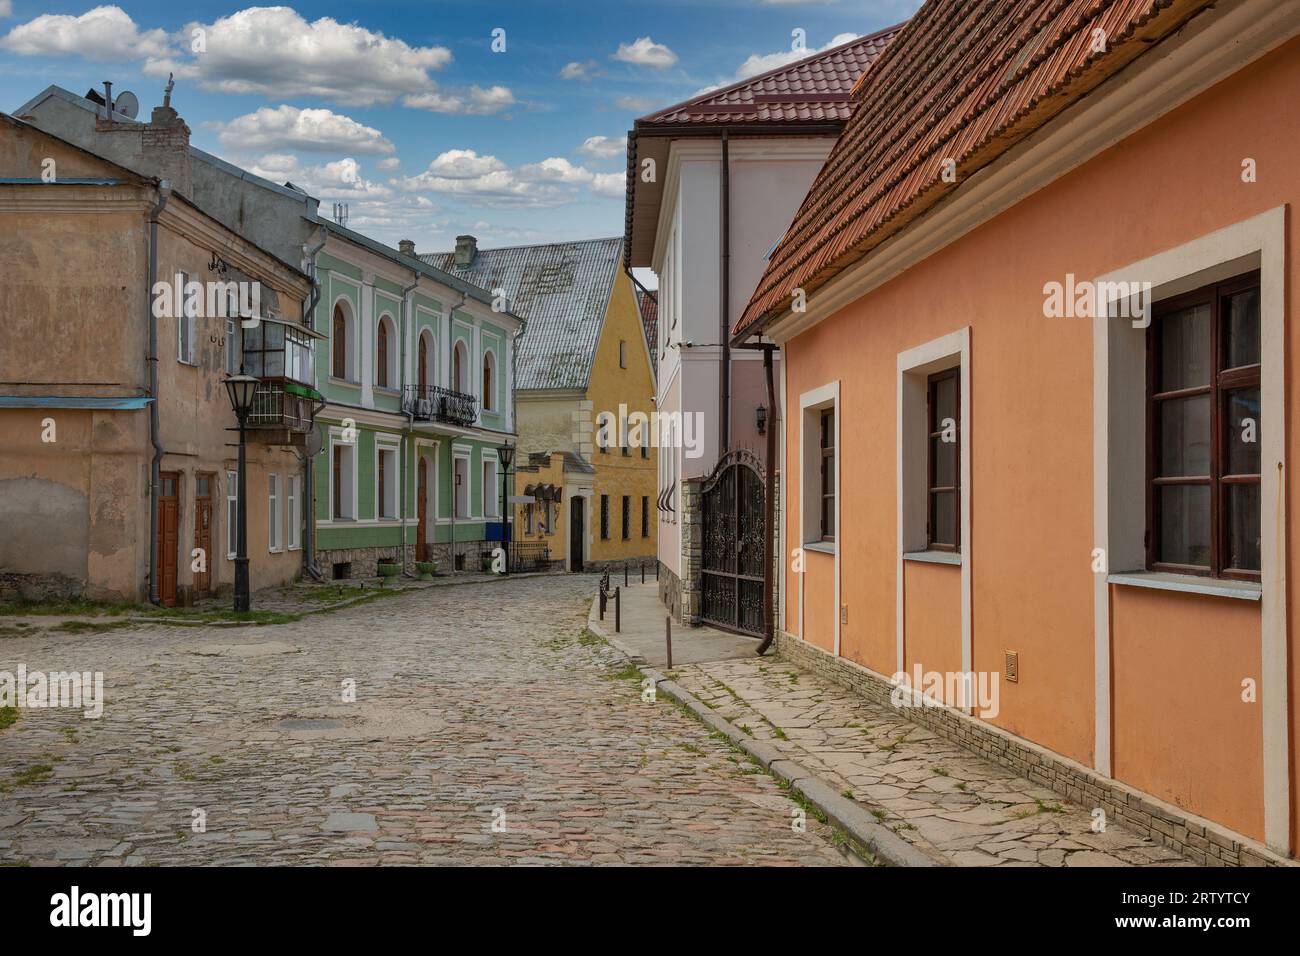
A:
[164, 194]
[451, 361]
[724, 393]
[308, 469]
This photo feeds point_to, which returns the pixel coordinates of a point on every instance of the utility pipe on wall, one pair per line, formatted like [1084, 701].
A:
[724, 392]
[164, 194]
[308, 461]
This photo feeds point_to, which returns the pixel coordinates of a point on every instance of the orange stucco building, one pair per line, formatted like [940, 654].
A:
[1089, 507]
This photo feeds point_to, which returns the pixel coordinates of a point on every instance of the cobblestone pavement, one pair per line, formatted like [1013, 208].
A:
[930, 791]
[474, 704]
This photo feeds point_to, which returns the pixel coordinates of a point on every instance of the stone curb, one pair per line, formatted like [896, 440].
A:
[861, 827]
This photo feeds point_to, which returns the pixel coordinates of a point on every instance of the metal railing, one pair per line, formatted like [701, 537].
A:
[529, 556]
[274, 406]
[435, 403]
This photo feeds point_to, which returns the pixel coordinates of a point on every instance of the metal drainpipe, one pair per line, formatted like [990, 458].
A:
[410, 418]
[451, 346]
[164, 193]
[724, 430]
[769, 579]
[514, 422]
[308, 466]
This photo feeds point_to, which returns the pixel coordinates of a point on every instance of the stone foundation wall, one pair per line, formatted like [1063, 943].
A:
[34, 588]
[670, 592]
[1200, 840]
[616, 566]
[692, 551]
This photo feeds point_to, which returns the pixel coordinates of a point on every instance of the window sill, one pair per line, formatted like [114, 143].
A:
[1190, 584]
[344, 381]
[934, 557]
[822, 547]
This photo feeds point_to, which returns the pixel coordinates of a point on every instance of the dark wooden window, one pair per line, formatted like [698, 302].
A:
[627, 517]
[422, 371]
[604, 517]
[457, 370]
[381, 354]
[645, 516]
[340, 343]
[828, 474]
[943, 470]
[383, 485]
[487, 382]
[1203, 432]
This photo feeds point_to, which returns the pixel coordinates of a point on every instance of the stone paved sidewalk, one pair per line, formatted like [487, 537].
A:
[930, 791]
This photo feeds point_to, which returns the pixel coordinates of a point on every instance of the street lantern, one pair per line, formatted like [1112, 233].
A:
[760, 415]
[506, 453]
[241, 389]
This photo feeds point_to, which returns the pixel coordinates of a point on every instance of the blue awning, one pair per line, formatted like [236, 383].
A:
[129, 402]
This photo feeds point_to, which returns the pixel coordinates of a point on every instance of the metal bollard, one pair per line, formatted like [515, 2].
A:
[602, 604]
[624, 574]
[618, 609]
[668, 637]
[643, 572]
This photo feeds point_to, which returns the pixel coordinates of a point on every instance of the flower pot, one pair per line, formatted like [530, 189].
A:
[426, 569]
[389, 573]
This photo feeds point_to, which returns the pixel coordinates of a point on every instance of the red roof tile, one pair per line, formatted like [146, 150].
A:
[966, 80]
[814, 89]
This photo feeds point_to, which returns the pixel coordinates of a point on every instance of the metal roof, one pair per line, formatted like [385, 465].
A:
[562, 289]
[962, 83]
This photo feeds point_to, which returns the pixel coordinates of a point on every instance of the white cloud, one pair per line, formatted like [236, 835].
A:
[6, 8]
[636, 104]
[273, 51]
[392, 162]
[487, 181]
[580, 71]
[610, 184]
[557, 170]
[338, 180]
[476, 101]
[104, 34]
[645, 52]
[758, 63]
[311, 130]
[604, 147]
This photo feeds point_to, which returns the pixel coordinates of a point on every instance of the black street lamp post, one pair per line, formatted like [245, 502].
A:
[241, 389]
[506, 453]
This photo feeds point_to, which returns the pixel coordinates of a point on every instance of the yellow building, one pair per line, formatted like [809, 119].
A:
[585, 472]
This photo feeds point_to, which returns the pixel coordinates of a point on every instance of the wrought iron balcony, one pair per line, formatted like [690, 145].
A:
[432, 403]
[283, 404]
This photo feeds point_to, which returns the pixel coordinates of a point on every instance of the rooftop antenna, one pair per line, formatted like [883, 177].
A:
[341, 213]
[167, 91]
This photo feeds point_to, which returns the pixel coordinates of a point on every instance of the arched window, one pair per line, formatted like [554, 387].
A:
[489, 362]
[425, 359]
[385, 353]
[458, 362]
[340, 343]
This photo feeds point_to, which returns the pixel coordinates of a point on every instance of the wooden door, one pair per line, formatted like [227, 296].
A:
[421, 501]
[577, 532]
[203, 531]
[168, 536]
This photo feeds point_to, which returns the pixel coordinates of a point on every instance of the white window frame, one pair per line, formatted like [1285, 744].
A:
[811, 405]
[336, 441]
[293, 514]
[274, 514]
[352, 375]
[185, 339]
[488, 462]
[1119, 377]
[383, 447]
[394, 378]
[489, 395]
[458, 455]
[232, 513]
[915, 366]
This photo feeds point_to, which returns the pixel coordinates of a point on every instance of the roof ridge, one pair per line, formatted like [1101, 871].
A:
[532, 245]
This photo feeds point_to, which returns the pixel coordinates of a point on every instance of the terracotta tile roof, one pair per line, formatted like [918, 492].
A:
[966, 80]
[815, 90]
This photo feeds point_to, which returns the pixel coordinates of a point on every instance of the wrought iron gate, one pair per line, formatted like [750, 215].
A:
[734, 546]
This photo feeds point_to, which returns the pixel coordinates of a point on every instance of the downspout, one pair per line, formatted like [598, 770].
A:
[451, 346]
[308, 469]
[410, 416]
[514, 423]
[769, 589]
[164, 194]
[724, 393]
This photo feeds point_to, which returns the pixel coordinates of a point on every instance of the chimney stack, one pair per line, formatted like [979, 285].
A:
[406, 247]
[466, 250]
[165, 144]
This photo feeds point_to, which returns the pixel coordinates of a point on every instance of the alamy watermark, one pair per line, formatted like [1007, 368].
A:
[38, 690]
[200, 300]
[1082, 299]
[978, 690]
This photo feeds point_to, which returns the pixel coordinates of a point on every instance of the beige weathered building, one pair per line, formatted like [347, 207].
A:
[82, 509]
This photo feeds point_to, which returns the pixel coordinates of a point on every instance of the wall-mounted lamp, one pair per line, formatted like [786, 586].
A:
[760, 418]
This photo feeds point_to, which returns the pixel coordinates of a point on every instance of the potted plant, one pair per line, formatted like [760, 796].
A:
[389, 570]
[427, 569]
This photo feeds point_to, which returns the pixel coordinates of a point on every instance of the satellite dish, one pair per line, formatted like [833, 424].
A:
[126, 104]
[315, 442]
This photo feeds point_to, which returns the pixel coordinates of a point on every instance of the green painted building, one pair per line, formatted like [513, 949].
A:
[416, 368]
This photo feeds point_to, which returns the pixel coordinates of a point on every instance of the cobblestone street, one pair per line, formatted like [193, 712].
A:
[474, 704]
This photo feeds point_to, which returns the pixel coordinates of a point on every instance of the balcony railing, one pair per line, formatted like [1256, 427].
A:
[432, 403]
[282, 405]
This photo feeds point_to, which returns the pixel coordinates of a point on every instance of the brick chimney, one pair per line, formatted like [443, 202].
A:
[406, 247]
[466, 250]
[165, 145]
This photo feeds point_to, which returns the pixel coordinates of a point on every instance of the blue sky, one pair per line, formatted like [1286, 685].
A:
[405, 112]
